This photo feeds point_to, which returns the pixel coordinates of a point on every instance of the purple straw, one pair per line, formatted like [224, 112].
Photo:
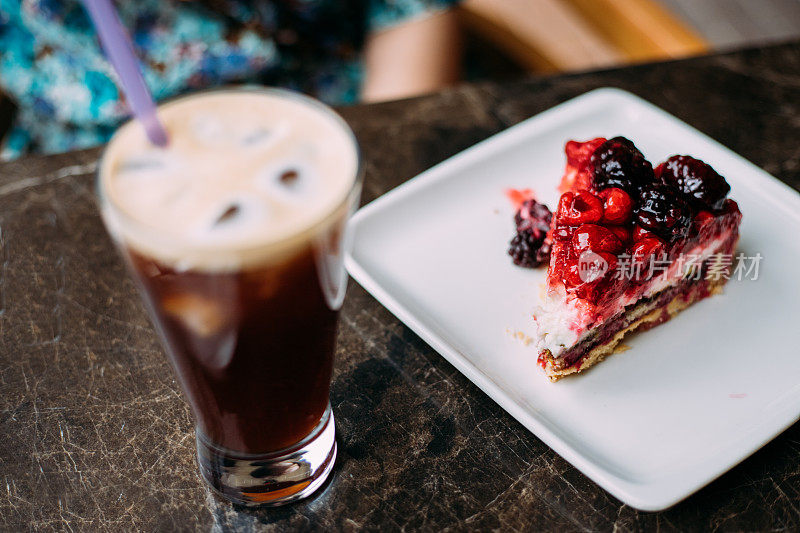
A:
[117, 45]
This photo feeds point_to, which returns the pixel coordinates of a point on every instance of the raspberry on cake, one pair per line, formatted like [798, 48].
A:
[629, 248]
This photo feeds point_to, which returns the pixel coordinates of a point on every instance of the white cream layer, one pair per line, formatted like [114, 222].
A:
[563, 322]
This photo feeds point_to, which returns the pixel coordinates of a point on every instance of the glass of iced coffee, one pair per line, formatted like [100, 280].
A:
[235, 234]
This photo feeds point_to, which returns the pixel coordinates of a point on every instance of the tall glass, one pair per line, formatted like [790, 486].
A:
[235, 234]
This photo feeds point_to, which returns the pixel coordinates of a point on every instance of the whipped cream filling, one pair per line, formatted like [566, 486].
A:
[563, 321]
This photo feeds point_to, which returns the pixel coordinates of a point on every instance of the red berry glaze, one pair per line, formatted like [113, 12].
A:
[617, 206]
[563, 233]
[581, 207]
[640, 233]
[701, 219]
[623, 233]
[594, 238]
[596, 266]
[579, 171]
[578, 153]
[572, 275]
[587, 274]
[643, 250]
[611, 261]
[729, 206]
[519, 197]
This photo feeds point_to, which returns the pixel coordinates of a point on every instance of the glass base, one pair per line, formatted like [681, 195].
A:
[274, 478]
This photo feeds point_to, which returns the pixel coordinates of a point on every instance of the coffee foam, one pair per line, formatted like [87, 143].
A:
[247, 176]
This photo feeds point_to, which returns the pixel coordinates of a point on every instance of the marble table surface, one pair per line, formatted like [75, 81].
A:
[94, 434]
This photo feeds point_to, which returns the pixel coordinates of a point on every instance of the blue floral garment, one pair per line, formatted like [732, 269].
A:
[53, 68]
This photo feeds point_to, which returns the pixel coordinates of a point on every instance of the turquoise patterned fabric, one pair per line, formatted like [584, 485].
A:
[52, 66]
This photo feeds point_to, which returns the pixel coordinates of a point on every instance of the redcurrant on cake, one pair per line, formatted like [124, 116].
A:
[629, 247]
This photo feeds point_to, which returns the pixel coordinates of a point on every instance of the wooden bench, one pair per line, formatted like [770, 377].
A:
[562, 35]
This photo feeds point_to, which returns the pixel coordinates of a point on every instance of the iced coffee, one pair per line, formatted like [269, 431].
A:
[235, 233]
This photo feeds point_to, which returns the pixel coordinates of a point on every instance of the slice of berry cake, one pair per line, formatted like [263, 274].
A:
[630, 246]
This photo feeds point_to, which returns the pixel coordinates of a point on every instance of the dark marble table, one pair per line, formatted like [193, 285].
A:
[94, 434]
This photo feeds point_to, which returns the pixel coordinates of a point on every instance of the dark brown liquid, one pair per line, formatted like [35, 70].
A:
[253, 349]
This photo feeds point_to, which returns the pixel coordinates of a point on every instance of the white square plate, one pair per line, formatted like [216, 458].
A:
[691, 399]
